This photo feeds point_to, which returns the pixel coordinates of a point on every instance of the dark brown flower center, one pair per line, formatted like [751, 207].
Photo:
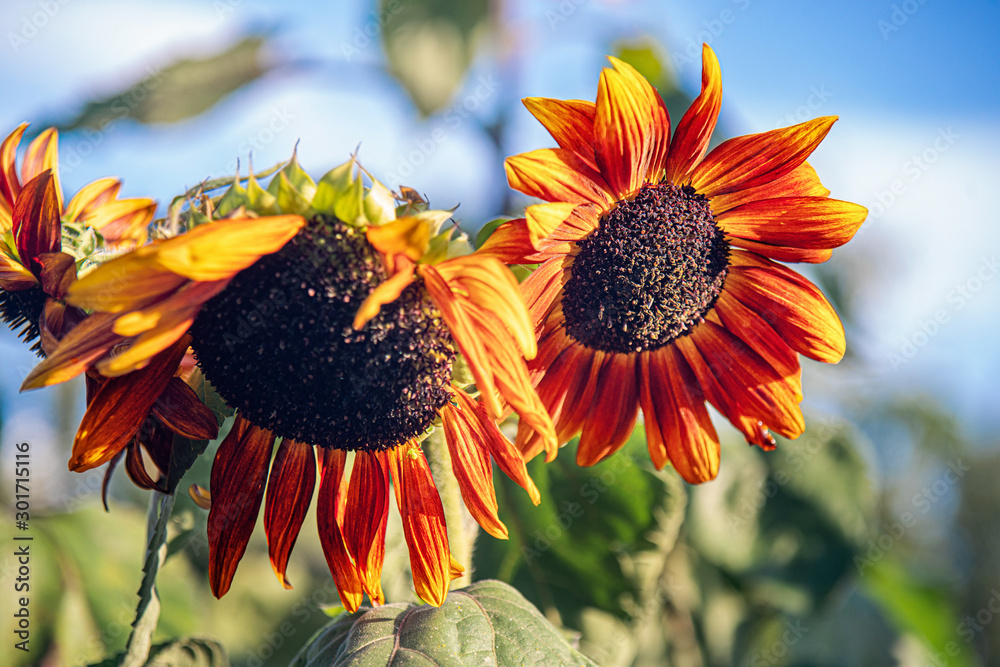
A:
[648, 274]
[21, 311]
[279, 346]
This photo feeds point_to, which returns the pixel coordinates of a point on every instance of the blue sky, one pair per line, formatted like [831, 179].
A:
[916, 86]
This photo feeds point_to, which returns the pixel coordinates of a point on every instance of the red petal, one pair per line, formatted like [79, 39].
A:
[10, 185]
[329, 521]
[181, 411]
[423, 523]
[756, 159]
[365, 518]
[82, 346]
[783, 253]
[800, 222]
[799, 182]
[239, 474]
[696, 127]
[613, 412]
[542, 289]
[570, 122]
[557, 175]
[36, 227]
[790, 303]
[678, 428]
[289, 492]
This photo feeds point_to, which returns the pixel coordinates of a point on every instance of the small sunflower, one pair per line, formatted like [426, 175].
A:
[657, 286]
[42, 242]
[332, 323]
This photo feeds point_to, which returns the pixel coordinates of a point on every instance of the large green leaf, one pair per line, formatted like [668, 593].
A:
[488, 623]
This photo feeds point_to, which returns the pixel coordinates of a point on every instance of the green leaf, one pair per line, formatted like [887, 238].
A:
[487, 230]
[188, 652]
[430, 45]
[488, 623]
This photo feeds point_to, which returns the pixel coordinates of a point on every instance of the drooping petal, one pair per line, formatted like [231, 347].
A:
[423, 522]
[557, 175]
[365, 517]
[800, 222]
[756, 159]
[36, 225]
[289, 492]
[56, 272]
[129, 282]
[570, 122]
[13, 276]
[796, 309]
[470, 461]
[137, 470]
[629, 129]
[385, 292]
[181, 411]
[79, 349]
[799, 182]
[330, 520]
[120, 407]
[678, 428]
[696, 127]
[613, 410]
[239, 474]
[408, 236]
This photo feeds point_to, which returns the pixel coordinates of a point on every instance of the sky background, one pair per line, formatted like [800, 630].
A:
[915, 84]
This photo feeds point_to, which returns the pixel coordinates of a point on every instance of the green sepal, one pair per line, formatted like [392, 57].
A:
[261, 201]
[460, 246]
[290, 200]
[380, 204]
[339, 193]
[233, 199]
[298, 179]
[437, 251]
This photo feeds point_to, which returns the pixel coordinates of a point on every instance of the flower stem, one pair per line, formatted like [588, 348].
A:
[462, 528]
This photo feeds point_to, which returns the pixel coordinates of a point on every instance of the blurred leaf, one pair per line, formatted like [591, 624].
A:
[487, 623]
[430, 45]
[578, 548]
[181, 90]
[487, 230]
[181, 653]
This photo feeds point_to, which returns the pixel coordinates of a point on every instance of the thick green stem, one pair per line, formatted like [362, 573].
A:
[462, 528]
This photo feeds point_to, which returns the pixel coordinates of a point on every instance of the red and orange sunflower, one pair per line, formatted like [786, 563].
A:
[333, 324]
[658, 285]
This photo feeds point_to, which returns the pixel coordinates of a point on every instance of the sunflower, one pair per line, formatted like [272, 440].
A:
[333, 324]
[658, 285]
[41, 241]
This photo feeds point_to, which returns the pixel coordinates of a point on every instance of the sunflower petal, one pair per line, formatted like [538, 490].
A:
[408, 236]
[91, 197]
[678, 428]
[385, 292]
[796, 309]
[10, 185]
[756, 159]
[122, 220]
[557, 175]
[36, 225]
[613, 412]
[43, 155]
[78, 350]
[570, 122]
[239, 474]
[289, 492]
[799, 182]
[180, 410]
[119, 408]
[696, 127]
[330, 520]
[783, 253]
[543, 219]
[365, 517]
[815, 223]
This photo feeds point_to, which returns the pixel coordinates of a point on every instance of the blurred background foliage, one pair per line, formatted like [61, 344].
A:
[872, 540]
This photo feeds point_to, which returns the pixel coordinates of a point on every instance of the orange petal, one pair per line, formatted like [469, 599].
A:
[696, 127]
[423, 522]
[36, 224]
[799, 182]
[13, 276]
[756, 159]
[409, 236]
[122, 220]
[129, 282]
[557, 175]
[10, 185]
[239, 474]
[119, 408]
[330, 520]
[754, 330]
[543, 219]
[289, 492]
[365, 517]
[630, 130]
[678, 428]
[92, 197]
[570, 122]
[83, 345]
[385, 292]
[43, 155]
[783, 253]
[470, 461]
[796, 309]
[815, 223]
[543, 288]
[181, 411]
[613, 412]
